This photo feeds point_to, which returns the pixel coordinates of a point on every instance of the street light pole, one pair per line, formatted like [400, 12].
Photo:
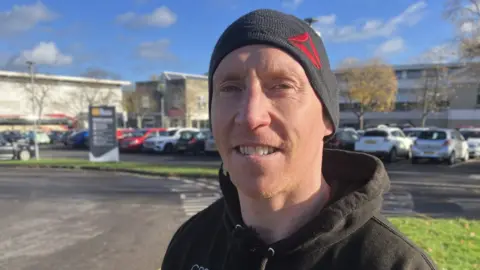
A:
[34, 109]
[310, 21]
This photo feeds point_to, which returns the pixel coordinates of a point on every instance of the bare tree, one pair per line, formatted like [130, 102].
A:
[465, 15]
[89, 94]
[436, 91]
[79, 101]
[39, 96]
[99, 73]
[140, 104]
[370, 87]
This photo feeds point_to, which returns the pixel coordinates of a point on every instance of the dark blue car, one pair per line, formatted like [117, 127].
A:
[78, 139]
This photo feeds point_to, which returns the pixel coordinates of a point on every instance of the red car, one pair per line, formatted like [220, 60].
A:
[123, 132]
[134, 141]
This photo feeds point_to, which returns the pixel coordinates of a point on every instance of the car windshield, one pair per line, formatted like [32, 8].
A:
[432, 135]
[375, 133]
[137, 133]
[412, 133]
[203, 135]
[474, 134]
[168, 133]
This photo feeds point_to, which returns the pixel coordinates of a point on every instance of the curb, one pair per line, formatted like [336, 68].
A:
[119, 170]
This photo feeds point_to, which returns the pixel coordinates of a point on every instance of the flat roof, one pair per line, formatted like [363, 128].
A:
[170, 75]
[25, 75]
[418, 66]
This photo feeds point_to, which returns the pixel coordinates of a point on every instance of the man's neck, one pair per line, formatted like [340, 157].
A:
[278, 217]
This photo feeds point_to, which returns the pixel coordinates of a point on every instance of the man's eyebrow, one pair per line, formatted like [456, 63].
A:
[228, 76]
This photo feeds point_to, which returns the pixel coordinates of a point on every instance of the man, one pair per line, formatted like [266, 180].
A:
[288, 204]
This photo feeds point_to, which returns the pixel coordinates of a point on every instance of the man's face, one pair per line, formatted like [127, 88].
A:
[267, 121]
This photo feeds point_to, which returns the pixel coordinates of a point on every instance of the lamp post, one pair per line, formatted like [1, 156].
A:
[310, 21]
[34, 109]
[161, 89]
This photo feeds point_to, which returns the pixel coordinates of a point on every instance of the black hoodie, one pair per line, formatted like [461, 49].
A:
[349, 233]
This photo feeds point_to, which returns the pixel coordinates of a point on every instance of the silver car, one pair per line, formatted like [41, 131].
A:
[440, 144]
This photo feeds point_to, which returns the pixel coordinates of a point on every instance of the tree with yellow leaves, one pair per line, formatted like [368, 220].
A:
[370, 87]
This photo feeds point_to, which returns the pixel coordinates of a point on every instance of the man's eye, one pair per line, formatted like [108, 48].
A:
[230, 88]
[281, 86]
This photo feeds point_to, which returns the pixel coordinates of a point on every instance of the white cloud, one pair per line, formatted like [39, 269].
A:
[332, 31]
[160, 17]
[348, 62]
[390, 46]
[45, 53]
[22, 18]
[328, 19]
[292, 4]
[155, 50]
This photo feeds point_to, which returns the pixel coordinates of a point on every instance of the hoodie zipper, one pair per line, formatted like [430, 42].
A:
[270, 253]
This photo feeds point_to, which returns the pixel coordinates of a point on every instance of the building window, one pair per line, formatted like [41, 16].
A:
[176, 100]
[201, 103]
[478, 96]
[400, 74]
[414, 74]
[194, 123]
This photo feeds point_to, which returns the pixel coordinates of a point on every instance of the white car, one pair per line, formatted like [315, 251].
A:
[440, 144]
[210, 145]
[414, 131]
[165, 141]
[472, 135]
[385, 142]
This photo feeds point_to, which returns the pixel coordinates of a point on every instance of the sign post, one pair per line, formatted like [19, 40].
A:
[102, 133]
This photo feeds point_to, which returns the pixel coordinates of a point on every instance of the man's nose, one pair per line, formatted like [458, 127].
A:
[253, 109]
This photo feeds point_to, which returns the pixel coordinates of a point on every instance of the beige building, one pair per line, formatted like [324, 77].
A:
[54, 94]
[463, 108]
[185, 102]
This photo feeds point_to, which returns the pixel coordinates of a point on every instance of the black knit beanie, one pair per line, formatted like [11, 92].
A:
[290, 34]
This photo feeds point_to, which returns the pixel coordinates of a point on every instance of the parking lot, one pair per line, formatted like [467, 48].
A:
[470, 167]
[75, 220]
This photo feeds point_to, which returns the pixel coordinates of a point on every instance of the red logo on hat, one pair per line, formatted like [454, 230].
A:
[304, 43]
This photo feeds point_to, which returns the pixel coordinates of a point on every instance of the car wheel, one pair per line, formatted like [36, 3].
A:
[414, 160]
[168, 148]
[451, 159]
[409, 154]
[24, 155]
[392, 156]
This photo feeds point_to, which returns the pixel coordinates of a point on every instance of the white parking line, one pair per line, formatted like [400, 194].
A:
[474, 176]
[434, 184]
[194, 203]
[463, 163]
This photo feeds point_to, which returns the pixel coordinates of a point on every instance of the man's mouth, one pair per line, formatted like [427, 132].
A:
[256, 150]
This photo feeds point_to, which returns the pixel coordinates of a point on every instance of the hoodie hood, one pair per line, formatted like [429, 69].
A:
[358, 182]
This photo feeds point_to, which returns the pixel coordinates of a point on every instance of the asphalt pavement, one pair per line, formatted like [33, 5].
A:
[61, 219]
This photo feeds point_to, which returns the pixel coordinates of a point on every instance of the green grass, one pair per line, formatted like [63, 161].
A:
[454, 244]
[135, 166]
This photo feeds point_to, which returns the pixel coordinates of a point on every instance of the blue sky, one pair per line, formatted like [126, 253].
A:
[137, 38]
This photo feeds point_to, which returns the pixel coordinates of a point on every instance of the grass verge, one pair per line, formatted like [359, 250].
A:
[452, 243]
[116, 166]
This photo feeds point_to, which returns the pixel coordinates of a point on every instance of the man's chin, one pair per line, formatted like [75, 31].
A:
[259, 187]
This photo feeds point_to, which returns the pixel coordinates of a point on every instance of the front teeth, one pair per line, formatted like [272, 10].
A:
[258, 150]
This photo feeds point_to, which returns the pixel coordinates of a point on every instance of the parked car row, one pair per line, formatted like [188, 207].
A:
[415, 144]
[161, 140]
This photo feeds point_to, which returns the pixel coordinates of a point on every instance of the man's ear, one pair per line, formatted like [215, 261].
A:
[328, 126]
